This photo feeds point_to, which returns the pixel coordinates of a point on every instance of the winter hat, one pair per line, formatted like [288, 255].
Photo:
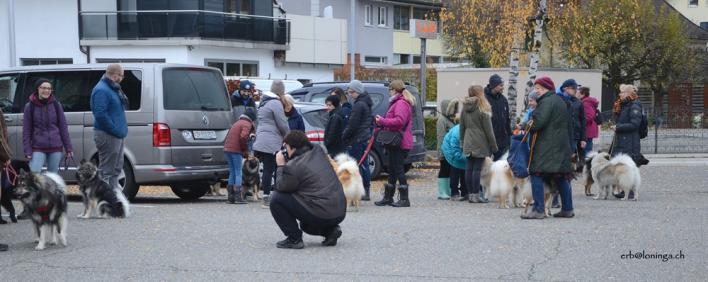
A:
[569, 83]
[246, 85]
[356, 86]
[39, 83]
[278, 87]
[495, 80]
[397, 85]
[250, 113]
[546, 82]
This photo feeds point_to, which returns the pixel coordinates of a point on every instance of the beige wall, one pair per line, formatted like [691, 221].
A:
[453, 82]
[317, 40]
[403, 43]
[696, 14]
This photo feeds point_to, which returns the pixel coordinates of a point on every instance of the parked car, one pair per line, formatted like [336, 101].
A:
[318, 92]
[263, 84]
[178, 117]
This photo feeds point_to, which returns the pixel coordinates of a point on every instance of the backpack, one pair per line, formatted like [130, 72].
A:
[56, 109]
[598, 116]
[644, 126]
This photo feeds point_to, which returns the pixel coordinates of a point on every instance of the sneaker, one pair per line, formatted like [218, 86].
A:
[564, 214]
[331, 239]
[266, 202]
[533, 215]
[289, 243]
[3, 248]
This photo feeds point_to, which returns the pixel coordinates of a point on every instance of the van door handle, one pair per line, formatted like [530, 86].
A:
[207, 157]
[8, 119]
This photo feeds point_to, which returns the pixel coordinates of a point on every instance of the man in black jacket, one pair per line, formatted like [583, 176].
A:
[308, 191]
[334, 127]
[358, 131]
[501, 122]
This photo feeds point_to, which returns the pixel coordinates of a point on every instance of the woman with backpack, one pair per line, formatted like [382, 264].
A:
[398, 120]
[45, 134]
[477, 138]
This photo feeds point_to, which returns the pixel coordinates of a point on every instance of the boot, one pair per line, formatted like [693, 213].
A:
[443, 188]
[238, 196]
[474, 198]
[402, 197]
[389, 190]
[482, 198]
[366, 197]
[230, 194]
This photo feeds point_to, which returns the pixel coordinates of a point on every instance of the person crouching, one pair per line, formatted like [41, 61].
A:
[307, 191]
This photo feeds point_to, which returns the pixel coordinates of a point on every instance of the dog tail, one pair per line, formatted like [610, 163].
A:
[57, 179]
[123, 201]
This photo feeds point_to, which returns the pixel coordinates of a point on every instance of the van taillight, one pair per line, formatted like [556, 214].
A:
[315, 136]
[161, 135]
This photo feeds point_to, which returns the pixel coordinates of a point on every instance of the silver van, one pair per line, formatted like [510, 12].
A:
[178, 117]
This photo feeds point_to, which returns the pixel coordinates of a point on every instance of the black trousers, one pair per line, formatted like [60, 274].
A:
[444, 171]
[396, 156]
[287, 211]
[6, 197]
[458, 186]
[269, 166]
[473, 174]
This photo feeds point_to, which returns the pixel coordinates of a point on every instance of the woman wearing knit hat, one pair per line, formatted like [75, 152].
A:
[550, 150]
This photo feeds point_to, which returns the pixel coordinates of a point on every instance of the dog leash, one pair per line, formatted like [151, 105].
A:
[368, 147]
[11, 174]
[67, 161]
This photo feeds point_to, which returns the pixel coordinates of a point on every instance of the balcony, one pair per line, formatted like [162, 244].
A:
[184, 27]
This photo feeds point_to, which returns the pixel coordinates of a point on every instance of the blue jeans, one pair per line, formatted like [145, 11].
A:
[52, 159]
[235, 164]
[356, 151]
[588, 146]
[563, 187]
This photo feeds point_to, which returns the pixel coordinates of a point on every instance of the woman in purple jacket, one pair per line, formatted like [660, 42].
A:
[45, 134]
[398, 119]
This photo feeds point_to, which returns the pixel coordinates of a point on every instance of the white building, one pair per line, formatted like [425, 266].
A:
[241, 37]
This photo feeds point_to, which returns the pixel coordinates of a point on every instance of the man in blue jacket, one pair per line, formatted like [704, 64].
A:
[108, 104]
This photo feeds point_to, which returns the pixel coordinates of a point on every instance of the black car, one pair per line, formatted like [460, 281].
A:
[378, 91]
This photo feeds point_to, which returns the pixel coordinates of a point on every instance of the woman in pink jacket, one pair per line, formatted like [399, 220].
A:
[398, 119]
[590, 105]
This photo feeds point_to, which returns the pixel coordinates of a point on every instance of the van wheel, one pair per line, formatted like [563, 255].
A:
[190, 191]
[126, 180]
[375, 164]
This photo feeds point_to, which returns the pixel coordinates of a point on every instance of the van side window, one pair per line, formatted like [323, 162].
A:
[73, 88]
[8, 89]
[194, 90]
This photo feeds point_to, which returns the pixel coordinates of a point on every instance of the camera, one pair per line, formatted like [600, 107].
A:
[284, 151]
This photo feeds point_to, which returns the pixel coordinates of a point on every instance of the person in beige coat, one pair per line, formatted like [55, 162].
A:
[476, 138]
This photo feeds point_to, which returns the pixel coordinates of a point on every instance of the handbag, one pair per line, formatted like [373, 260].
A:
[392, 138]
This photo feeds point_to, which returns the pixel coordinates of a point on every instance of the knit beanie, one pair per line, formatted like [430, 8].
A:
[546, 82]
[356, 86]
[495, 80]
[569, 83]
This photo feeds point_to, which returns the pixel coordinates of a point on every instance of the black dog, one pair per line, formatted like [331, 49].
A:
[251, 181]
[98, 195]
[9, 183]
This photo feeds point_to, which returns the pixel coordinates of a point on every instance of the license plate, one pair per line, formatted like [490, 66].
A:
[204, 134]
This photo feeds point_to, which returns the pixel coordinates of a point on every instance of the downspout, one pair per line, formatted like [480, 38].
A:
[87, 49]
[11, 18]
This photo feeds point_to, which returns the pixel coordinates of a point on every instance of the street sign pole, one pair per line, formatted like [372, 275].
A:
[423, 30]
[352, 42]
[423, 71]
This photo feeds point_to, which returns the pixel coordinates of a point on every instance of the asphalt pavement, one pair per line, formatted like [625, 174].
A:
[166, 239]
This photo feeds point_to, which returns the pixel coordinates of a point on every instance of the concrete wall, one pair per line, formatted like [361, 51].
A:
[317, 40]
[99, 5]
[453, 83]
[171, 54]
[49, 32]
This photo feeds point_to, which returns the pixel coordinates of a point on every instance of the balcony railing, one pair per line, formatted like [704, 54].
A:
[208, 25]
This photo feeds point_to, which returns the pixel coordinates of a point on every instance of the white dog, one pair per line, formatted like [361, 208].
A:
[503, 184]
[620, 172]
[347, 171]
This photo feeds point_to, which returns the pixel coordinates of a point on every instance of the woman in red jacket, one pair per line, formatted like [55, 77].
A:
[590, 105]
[398, 119]
[236, 149]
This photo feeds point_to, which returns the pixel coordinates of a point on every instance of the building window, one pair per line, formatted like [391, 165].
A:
[401, 59]
[237, 6]
[235, 68]
[383, 16]
[46, 61]
[367, 15]
[693, 3]
[371, 60]
[113, 61]
[704, 25]
[401, 17]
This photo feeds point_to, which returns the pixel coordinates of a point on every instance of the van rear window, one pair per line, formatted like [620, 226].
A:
[194, 89]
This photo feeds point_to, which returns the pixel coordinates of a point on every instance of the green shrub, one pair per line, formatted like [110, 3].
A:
[431, 133]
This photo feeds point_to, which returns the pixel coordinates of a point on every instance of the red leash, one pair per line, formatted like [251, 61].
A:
[368, 147]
